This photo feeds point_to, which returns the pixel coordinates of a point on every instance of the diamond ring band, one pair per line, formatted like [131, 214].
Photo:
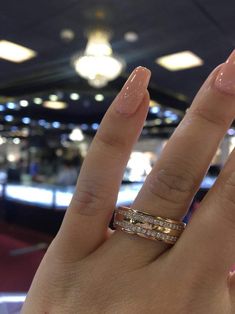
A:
[145, 225]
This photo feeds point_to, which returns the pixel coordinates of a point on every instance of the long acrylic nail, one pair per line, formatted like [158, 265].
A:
[132, 93]
[225, 80]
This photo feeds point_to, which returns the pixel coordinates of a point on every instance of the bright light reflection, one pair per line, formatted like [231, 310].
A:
[56, 124]
[26, 120]
[14, 52]
[74, 96]
[99, 97]
[30, 194]
[42, 122]
[53, 97]
[154, 110]
[11, 105]
[63, 199]
[16, 140]
[9, 118]
[179, 61]
[76, 135]
[38, 101]
[24, 103]
[12, 298]
[95, 126]
[138, 166]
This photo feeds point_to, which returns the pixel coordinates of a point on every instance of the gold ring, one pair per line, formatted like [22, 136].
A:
[147, 226]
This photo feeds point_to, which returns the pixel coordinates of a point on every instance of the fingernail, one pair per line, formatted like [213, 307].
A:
[225, 80]
[132, 93]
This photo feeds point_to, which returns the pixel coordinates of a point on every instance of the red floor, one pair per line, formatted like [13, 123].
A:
[17, 272]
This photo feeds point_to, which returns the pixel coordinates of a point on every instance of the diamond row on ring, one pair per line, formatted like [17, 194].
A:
[149, 219]
[146, 232]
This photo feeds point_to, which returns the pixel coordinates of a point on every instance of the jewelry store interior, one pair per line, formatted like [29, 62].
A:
[61, 65]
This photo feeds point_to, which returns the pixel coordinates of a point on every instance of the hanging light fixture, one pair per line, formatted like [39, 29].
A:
[97, 63]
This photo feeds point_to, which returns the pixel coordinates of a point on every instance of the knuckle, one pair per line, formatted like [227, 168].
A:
[172, 184]
[111, 140]
[89, 198]
[209, 116]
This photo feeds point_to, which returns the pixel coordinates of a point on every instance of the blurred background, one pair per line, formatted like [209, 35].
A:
[61, 65]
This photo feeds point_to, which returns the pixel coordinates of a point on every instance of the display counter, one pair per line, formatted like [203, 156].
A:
[11, 303]
[42, 207]
[54, 197]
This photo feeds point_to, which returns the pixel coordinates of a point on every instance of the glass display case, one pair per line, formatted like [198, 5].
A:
[11, 303]
[58, 198]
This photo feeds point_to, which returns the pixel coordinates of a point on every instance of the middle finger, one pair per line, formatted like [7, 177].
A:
[171, 185]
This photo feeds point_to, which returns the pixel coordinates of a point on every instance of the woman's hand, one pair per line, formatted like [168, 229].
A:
[90, 269]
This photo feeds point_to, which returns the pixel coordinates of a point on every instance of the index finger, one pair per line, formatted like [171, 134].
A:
[88, 216]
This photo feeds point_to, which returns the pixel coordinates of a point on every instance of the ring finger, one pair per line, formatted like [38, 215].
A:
[171, 185]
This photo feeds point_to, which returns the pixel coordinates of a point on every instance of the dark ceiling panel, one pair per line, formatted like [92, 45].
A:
[205, 27]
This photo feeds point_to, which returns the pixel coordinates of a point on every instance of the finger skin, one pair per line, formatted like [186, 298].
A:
[212, 228]
[87, 218]
[170, 187]
[178, 173]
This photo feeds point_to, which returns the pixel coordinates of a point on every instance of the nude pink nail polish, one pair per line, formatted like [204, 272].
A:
[132, 93]
[225, 80]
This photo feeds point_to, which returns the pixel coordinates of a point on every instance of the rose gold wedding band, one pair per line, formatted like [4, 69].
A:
[156, 228]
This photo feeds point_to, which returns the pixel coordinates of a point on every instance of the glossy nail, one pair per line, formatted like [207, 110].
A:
[225, 80]
[132, 93]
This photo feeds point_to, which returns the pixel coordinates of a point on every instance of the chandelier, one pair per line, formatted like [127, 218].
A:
[97, 63]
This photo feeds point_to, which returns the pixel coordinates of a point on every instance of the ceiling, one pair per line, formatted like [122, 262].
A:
[206, 27]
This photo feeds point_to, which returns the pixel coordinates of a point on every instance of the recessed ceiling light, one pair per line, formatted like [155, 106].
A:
[56, 124]
[74, 96]
[168, 113]
[99, 97]
[14, 52]
[67, 34]
[26, 120]
[179, 61]
[11, 105]
[154, 110]
[9, 118]
[37, 100]
[95, 126]
[55, 104]
[16, 140]
[84, 126]
[231, 132]
[24, 103]
[42, 122]
[131, 36]
[53, 97]
[2, 108]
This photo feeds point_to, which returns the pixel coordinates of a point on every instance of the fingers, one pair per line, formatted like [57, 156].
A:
[211, 232]
[210, 237]
[170, 187]
[87, 218]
